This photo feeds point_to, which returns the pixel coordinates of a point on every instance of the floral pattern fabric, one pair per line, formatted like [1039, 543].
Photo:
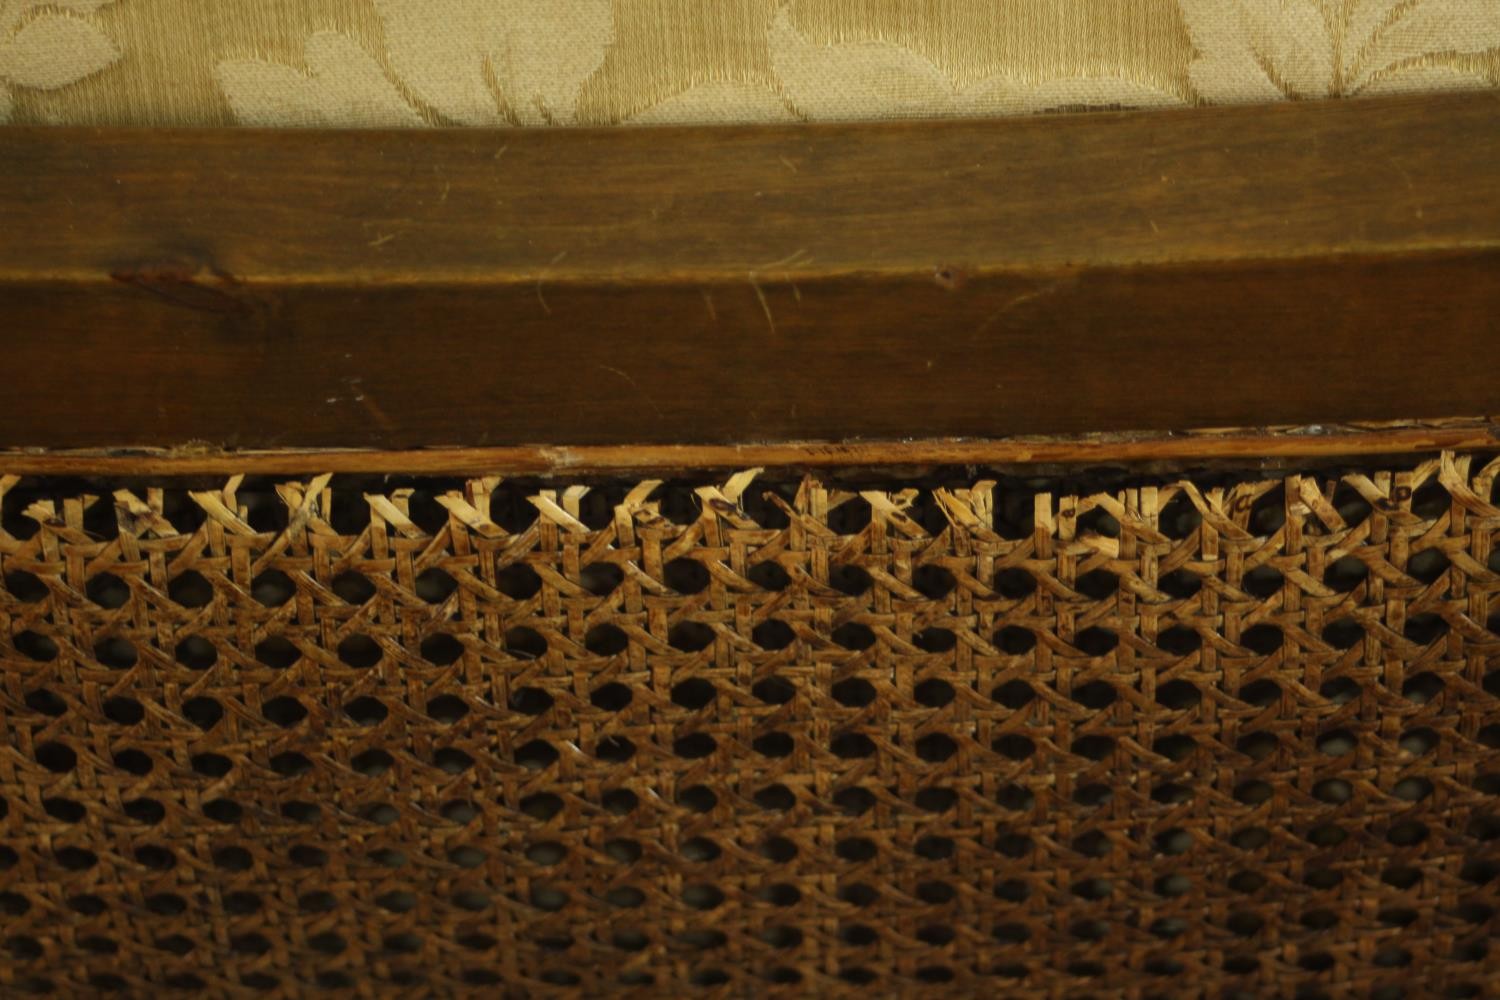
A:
[371, 63]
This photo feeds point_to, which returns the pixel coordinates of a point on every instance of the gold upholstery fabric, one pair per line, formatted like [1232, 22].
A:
[607, 62]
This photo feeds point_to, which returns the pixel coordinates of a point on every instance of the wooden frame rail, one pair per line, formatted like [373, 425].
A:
[217, 291]
[1271, 446]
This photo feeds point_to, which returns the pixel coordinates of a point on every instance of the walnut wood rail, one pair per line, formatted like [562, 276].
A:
[227, 290]
[1234, 448]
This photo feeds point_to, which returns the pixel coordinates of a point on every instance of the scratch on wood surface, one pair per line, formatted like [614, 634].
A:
[708, 300]
[189, 284]
[764, 305]
[644, 394]
[796, 257]
[380, 416]
[556, 259]
[1036, 293]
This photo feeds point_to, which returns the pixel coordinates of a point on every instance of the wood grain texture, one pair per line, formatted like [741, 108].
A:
[1238, 448]
[1296, 264]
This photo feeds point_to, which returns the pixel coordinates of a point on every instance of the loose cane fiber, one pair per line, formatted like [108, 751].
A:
[1225, 736]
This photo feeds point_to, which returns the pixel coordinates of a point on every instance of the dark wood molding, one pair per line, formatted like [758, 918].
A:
[1278, 444]
[1309, 263]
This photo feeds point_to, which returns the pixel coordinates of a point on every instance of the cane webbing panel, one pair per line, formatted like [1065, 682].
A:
[1222, 736]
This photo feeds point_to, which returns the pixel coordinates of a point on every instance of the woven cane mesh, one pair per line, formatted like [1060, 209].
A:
[1224, 736]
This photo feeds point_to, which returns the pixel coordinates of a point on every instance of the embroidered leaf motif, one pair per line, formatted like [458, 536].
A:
[717, 103]
[1258, 50]
[1367, 19]
[1414, 32]
[81, 6]
[489, 61]
[343, 87]
[882, 79]
[1253, 50]
[438, 50]
[1426, 80]
[54, 50]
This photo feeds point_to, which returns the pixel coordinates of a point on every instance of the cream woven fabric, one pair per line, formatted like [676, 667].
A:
[606, 62]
